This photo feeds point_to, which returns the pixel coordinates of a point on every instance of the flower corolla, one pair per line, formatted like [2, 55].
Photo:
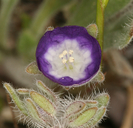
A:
[68, 55]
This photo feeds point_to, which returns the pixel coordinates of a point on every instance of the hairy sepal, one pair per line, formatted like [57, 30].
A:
[97, 118]
[83, 118]
[92, 30]
[32, 69]
[15, 98]
[75, 107]
[46, 91]
[100, 77]
[102, 99]
[23, 91]
[43, 103]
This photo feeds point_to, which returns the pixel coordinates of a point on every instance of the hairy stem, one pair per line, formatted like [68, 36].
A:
[14, 120]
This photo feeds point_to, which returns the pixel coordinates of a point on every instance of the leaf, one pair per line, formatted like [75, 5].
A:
[116, 15]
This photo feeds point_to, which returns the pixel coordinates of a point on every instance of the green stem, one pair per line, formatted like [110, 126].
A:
[100, 23]
[101, 5]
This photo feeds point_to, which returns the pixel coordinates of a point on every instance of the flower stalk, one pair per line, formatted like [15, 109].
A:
[101, 5]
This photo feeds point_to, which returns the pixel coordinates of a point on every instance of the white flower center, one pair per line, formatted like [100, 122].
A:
[68, 59]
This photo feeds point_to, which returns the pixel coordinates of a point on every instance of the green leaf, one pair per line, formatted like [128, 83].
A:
[115, 22]
[83, 14]
[116, 15]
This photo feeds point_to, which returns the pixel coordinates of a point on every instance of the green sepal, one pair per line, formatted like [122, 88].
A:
[32, 109]
[43, 103]
[97, 118]
[46, 90]
[15, 98]
[100, 77]
[92, 30]
[75, 108]
[23, 91]
[32, 69]
[83, 118]
[91, 103]
[103, 99]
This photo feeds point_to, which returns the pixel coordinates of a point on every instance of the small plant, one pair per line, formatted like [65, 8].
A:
[70, 56]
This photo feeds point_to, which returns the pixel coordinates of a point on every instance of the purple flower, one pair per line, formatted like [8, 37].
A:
[68, 55]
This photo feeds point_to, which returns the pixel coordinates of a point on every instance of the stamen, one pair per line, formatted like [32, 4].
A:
[64, 61]
[61, 56]
[70, 52]
[71, 59]
[67, 59]
[64, 52]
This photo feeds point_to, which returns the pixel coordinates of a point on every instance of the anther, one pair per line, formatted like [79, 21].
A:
[70, 52]
[64, 61]
[61, 56]
[64, 52]
[71, 59]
